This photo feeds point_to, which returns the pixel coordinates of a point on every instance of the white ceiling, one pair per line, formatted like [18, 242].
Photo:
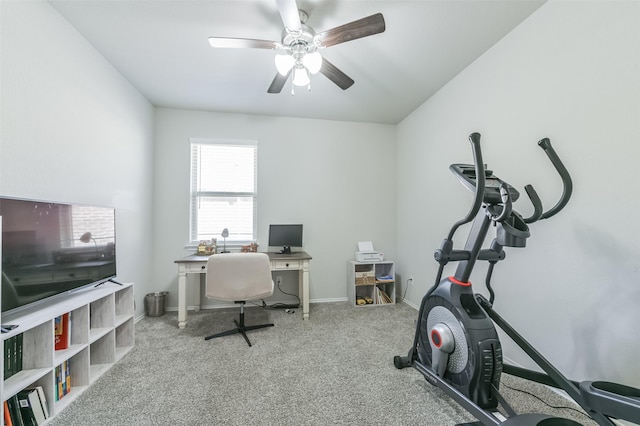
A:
[161, 47]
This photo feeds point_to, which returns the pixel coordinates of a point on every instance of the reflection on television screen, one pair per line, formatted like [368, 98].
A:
[52, 248]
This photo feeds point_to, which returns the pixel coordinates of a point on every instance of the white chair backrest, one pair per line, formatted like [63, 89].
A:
[239, 276]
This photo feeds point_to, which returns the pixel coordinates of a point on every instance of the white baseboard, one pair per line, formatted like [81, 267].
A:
[336, 299]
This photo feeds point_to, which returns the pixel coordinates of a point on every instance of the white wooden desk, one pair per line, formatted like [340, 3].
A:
[194, 264]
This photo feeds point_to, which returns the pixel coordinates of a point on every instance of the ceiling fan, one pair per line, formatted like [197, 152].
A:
[298, 51]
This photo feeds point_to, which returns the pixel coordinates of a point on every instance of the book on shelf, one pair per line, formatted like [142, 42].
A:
[43, 401]
[7, 358]
[18, 359]
[383, 298]
[14, 411]
[7, 415]
[61, 332]
[63, 380]
[57, 393]
[12, 355]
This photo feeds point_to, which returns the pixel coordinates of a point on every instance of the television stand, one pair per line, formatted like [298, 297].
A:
[285, 250]
[101, 332]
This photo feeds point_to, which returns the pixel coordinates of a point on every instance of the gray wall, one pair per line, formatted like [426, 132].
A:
[336, 178]
[570, 73]
[74, 130]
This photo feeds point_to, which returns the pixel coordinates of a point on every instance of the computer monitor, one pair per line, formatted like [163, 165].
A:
[285, 236]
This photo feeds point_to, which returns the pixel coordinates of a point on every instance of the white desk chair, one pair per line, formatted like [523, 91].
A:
[239, 277]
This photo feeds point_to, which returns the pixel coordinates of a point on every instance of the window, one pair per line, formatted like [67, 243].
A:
[223, 190]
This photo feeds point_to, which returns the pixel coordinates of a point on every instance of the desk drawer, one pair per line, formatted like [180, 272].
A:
[197, 267]
[286, 264]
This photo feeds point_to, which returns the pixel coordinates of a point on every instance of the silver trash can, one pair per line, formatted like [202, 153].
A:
[154, 303]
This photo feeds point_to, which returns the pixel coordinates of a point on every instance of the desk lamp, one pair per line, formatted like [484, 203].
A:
[225, 234]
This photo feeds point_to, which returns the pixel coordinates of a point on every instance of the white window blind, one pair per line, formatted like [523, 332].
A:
[223, 190]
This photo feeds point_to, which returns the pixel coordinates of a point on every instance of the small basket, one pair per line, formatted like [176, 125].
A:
[365, 278]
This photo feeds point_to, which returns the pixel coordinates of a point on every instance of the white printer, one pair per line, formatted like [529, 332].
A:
[366, 253]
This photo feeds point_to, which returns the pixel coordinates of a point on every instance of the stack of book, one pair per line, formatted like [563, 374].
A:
[12, 355]
[63, 380]
[28, 408]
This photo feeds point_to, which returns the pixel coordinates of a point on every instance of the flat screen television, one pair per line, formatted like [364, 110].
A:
[49, 249]
[285, 236]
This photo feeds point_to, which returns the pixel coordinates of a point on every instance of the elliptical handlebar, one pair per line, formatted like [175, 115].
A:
[474, 138]
[538, 213]
[499, 197]
[567, 184]
[537, 204]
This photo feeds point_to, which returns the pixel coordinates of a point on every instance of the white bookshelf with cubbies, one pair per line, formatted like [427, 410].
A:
[100, 333]
[371, 283]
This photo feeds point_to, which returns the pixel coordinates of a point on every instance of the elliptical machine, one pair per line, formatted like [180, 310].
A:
[456, 346]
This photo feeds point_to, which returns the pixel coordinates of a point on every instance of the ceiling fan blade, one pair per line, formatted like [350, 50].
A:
[227, 42]
[334, 74]
[289, 13]
[278, 83]
[364, 27]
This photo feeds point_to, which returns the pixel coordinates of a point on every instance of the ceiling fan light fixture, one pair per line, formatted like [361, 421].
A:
[313, 62]
[301, 77]
[284, 63]
[297, 52]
